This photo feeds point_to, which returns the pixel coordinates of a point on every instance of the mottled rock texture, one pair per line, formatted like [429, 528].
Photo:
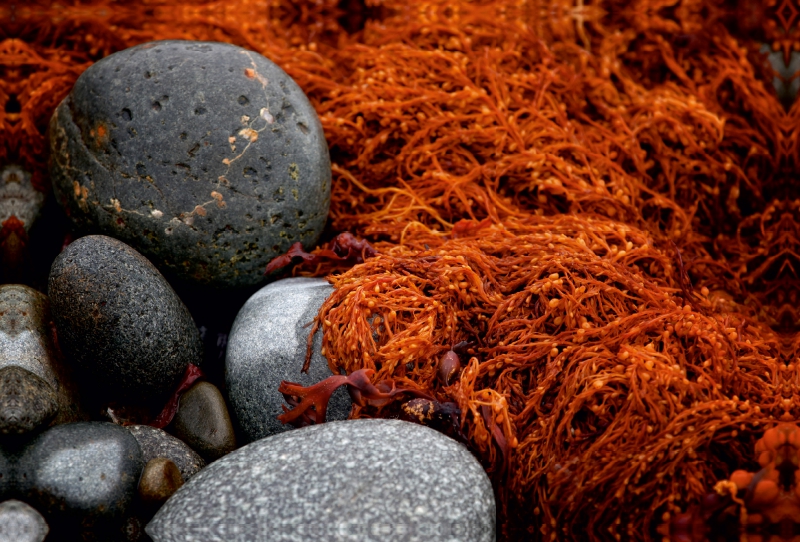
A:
[267, 344]
[365, 480]
[206, 157]
[158, 443]
[120, 321]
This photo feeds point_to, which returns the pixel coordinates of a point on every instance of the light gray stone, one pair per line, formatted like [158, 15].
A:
[156, 442]
[18, 197]
[21, 523]
[85, 470]
[26, 342]
[359, 480]
[267, 344]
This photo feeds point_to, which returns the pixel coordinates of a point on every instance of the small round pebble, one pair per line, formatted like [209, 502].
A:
[160, 480]
[206, 157]
[21, 523]
[156, 442]
[202, 421]
[119, 319]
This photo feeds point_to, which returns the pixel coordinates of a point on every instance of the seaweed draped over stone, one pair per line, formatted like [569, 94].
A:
[622, 172]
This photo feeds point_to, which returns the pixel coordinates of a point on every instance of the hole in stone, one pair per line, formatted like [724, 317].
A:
[303, 127]
[148, 75]
[183, 135]
[200, 111]
[248, 172]
[243, 100]
[126, 114]
[156, 106]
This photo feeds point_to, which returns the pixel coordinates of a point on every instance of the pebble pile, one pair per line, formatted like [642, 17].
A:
[186, 167]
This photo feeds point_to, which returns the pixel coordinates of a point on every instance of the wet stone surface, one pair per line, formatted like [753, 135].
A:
[120, 321]
[158, 443]
[365, 480]
[86, 471]
[267, 344]
[21, 523]
[202, 421]
[206, 157]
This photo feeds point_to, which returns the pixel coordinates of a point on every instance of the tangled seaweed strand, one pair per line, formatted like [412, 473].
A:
[594, 193]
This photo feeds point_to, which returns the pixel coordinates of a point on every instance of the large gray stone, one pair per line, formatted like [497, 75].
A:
[158, 443]
[119, 319]
[26, 342]
[84, 470]
[21, 523]
[206, 157]
[362, 480]
[267, 344]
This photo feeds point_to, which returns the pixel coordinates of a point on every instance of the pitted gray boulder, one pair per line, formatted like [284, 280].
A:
[158, 443]
[120, 320]
[21, 523]
[267, 344]
[206, 157]
[365, 480]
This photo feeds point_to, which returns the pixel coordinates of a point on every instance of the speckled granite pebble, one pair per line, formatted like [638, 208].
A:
[21, 523]
[366, 480]
[267, 344]
[158, 443]
[26, 401]
[202, 421]
[119, 319]
[206, 157]
[26, 342]
[85, 470]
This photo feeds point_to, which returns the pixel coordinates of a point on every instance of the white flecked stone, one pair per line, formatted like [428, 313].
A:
[359, 480]
[267, 344]
[21, 523]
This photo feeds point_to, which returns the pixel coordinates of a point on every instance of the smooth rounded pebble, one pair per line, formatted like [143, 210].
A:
[21, 523]
[206, 157]
[85, 470]
[202, 421]
[381, 480]
[267, 344]
[119, 319]
[160, 480]
[156, 442]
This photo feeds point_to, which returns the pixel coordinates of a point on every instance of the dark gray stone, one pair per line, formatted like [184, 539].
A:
[8, 474]
[156, 442]
[18, 197]
[119, 319]
[202, 421]
[206, 157]
[26, 342]
[21, 523]
[267, 344]
[363, 480]
[26, 401]
[86, 470]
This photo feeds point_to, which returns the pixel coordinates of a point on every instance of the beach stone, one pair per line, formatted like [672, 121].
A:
[206, 157]
[202, 421]
[119, 319]
[87, 470]
[26, 401]
[160, 480]
[20, 522]
[363, 480]
[26, 342]
[156, 443]
[267, 344]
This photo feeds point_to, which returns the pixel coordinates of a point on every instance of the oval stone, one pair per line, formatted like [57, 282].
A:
[119, 319]
[267, 344]
[21, 523]
[206, 157]
[381, 480]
